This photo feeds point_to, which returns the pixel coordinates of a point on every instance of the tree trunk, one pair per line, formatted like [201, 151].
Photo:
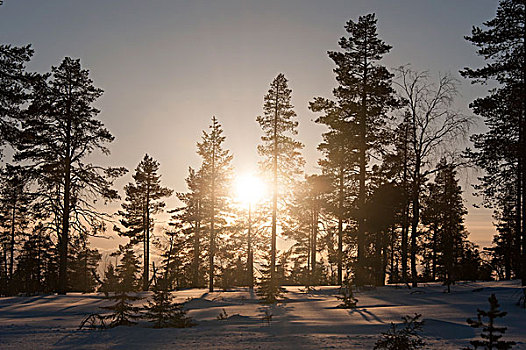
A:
[197, 250]
[146, 272]
[12, 246]
[314, 243]
[340, 227]
[212, 222]
[405, 219]
[414, 222]
[274, 194]
[360, 269]
[250, 255]
[64, 234]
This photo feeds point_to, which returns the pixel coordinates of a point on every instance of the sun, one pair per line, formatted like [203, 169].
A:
[249, 189]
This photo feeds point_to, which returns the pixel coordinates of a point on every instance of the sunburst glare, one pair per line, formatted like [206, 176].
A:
[249, 189]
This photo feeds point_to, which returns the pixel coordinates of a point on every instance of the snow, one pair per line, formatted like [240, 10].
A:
[305, 320]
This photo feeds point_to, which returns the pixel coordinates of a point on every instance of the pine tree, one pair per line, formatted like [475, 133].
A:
[60, 131]
[364, 95]
[281, 152]
[143, 200]
[501, 151]
[216, 174]
[163, 312]
[15, 89]
[491, 334]
[339, 165]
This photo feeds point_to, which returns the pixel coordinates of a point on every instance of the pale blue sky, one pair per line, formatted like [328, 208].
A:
[168, 66]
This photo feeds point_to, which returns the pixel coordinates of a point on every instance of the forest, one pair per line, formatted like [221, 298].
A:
[387, 206]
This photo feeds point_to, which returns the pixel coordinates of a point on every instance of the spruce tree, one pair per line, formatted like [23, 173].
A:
[364, 95]
[123, 313]
[501, 151]
[143, 200]
[60, 130]
[491, 334]
[407, 338]
[281, 152]
[191, 215]
[82, 266]
[163, 312]
[216, 177]
[444, 212]
[110, 282]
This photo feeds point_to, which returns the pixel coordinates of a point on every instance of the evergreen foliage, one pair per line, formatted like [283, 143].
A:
[363, 97]
[60, 131]
[444, 212]
[269, 287]
[216, 176]
[347, 296]
[123, 313]
[143, 200]
[500, 150]
[15, 89]
[110, 282]
[163, 312]
[282, 158]
[407, 338]
[491, 334]
[190, 217]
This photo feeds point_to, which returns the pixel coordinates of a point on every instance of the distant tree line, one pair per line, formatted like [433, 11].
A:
[386, 207]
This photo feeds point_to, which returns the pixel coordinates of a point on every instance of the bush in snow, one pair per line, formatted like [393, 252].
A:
[490, 333]
[347, 297]
[163, 312]
[406, 338]
[123, 312]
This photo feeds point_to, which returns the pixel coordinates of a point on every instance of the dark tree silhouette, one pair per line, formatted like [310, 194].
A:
[143, 200]
[444, 212]
[407, 338]
[501, 151]
[15, 210]
[15, 88]
[190, 215]
[216, 174]
[340, 165]
[60, 131]
[163, 312]
[433, 127]
[491, 334]
[282, 157]
[364, 95]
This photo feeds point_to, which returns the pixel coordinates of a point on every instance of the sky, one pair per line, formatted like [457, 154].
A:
[168, 66]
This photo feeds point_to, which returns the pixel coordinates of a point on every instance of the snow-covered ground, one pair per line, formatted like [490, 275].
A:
[306, 320]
